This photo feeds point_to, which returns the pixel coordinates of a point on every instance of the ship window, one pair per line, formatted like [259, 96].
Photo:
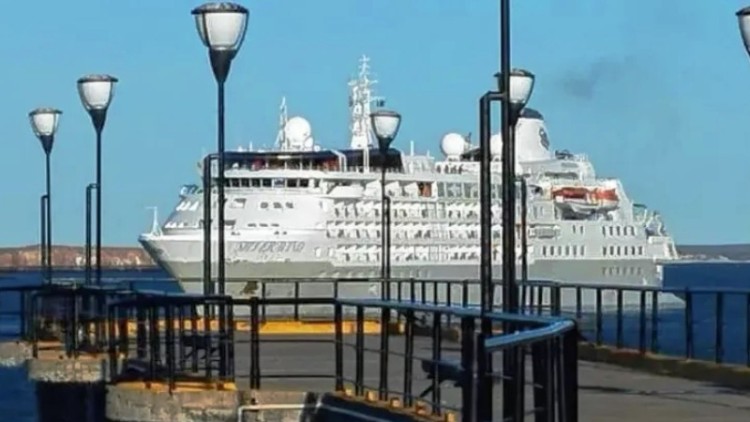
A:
[266, 183]
[263, 225]
[289, 205]
[251, 225]
[245, 183]
[277, 205]
[303, 183]
[264, 205]
[255, 183]
[229, 224]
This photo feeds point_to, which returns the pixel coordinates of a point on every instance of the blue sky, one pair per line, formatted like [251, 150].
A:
[655, 92]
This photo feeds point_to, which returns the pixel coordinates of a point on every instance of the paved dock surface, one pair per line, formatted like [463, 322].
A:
[607, 393]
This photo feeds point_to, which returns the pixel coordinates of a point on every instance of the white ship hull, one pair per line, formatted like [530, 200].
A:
[241, 273]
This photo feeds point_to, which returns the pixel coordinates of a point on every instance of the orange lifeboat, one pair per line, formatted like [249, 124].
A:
[584, 200]
[569, 192]
[607, 198]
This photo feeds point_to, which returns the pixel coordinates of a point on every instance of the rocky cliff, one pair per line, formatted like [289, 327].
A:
[73, 257]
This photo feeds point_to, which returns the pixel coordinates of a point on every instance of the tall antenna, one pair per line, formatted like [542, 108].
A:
[360, 101]
[281, 141]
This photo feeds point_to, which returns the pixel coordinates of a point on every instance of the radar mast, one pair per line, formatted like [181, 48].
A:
[360, 100]
[281, 140]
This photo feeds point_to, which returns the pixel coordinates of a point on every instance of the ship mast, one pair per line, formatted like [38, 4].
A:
[282, 143]
[360, 100]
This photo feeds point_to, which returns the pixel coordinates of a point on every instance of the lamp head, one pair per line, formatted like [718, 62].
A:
[96, 91]
[385, 125]
[221, 25]
[44, 122]
[743, 18]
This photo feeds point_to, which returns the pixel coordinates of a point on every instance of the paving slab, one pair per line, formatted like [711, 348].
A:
[606, 393]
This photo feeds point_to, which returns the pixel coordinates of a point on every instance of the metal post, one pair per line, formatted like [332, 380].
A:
[99, 206]
[385, 210]
[43, 236]
[207, 283]
[524, 233]
[49, 216]
[87, 258]
[510, 293]
[484, 366]
[220, 205]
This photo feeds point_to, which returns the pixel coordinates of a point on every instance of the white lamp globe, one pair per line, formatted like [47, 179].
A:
[44, 121]
[221, 25]
[521, 86]
[385, 124]
[743, 18]
[96, 91]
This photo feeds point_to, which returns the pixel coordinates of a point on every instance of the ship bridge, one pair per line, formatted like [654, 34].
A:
[325, 160]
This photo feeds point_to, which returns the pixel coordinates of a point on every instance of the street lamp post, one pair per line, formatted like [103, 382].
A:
[44, 122]
[96, 92]
[221, 27]
[385, 125]
[520, 84]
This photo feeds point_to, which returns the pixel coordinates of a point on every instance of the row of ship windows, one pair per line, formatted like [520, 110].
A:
[235, 182]
[617, 271]
[567, 250]
[618, 231]
[407, 255]
[622, 250]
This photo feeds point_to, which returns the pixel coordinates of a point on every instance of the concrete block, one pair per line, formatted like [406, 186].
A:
[130, 403]
[14, 353]
[82, 370]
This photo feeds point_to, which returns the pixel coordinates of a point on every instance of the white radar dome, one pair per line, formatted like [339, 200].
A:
[453, 145]
[297, 130]
[496, 146]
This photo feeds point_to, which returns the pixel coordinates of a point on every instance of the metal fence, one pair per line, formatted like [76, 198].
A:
[162, 339]
[420, 354]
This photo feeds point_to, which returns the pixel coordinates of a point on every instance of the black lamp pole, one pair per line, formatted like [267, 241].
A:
[43, 234]
[385, 125]
[222, 27]
[96, 92]
[87, 264]
[44, 123]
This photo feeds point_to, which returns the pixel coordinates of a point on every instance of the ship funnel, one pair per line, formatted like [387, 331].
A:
[532, 143]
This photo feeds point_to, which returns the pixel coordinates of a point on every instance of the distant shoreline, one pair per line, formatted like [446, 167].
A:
[77, 268]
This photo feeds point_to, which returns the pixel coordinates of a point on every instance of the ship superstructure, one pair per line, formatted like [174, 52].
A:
[301, 210]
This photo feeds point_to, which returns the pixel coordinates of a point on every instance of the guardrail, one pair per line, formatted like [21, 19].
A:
[690, 322]
[171, 343]
[67, 316]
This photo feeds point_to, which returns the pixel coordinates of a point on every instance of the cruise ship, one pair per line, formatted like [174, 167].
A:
[301, 210]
